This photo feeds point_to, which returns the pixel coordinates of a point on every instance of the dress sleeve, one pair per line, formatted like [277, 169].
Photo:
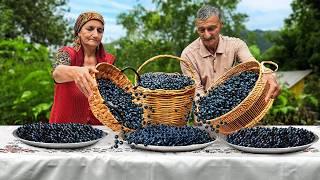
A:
[61, 58]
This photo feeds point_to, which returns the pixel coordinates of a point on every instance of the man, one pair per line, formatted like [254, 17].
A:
[212, 54]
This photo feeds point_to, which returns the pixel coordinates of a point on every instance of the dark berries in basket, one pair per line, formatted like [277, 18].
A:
[120, 104]
[223, 98]
[164, 135]
[263, 137]
[58, 133]
[167, 81]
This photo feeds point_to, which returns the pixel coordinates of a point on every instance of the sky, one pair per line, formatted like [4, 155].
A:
[262, 14]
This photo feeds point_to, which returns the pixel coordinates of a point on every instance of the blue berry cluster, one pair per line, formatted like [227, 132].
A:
[58, 133]
[166, 81]
[164, 135]
[226, 96]
[120, 104]
[263, 137]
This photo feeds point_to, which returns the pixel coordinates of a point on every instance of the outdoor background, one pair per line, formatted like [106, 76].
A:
[284, 31]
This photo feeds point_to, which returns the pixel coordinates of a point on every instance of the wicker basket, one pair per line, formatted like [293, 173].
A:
[252, 109]
[170, 107]
[96, 102]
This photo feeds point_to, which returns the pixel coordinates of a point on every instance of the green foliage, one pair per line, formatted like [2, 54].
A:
[255, 51]
[167, 29]
[298, 45]
[313, 86]
[41, 21]
[289, 109]
[26, 85]
[261, 39]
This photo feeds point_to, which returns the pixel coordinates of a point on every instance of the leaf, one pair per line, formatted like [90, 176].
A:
[43, 107]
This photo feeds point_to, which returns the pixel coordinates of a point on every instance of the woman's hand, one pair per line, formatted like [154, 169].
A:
[84, 80]
[274, 89]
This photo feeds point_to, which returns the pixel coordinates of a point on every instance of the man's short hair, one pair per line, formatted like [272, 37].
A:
[207, 11]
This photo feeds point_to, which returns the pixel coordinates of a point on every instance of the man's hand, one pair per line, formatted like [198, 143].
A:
[274, 89]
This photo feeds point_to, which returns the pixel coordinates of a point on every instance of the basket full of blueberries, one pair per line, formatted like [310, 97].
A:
[166, 97]
[157, 98]
[114, 101]
[236, 100]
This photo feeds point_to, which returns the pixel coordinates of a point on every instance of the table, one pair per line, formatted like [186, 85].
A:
[19, 161]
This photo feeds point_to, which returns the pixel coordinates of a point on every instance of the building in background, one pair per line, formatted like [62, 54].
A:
[294, 80]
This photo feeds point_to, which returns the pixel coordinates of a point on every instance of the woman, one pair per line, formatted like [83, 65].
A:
[71, 71]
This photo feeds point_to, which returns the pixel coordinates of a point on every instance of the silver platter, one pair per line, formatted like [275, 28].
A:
[172, 148]
[273, 150]
[57, 145]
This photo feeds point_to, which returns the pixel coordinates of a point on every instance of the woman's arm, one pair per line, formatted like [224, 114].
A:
[63, 72]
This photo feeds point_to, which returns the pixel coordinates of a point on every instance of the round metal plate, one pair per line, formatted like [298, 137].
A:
[172, 148]
[273, 150]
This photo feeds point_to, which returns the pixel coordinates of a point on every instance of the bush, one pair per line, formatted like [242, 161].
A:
[26, 92]
[289, 109]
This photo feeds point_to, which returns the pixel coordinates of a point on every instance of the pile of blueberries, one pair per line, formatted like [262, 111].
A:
[263, 137]
[166, 81]
[165, 135]
[120, 104]
[58, 133]
[226, 96]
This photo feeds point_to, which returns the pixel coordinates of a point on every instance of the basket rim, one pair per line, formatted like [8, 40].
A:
[168, 91]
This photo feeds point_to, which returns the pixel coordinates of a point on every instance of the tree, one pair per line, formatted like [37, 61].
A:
[298, 45]
[40, 21]
[169, 28]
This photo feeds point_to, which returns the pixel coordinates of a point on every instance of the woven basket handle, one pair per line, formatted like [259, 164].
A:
[166, 56]
[266, 70]
[137, 74]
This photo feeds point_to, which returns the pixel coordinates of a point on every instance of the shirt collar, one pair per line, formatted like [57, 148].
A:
[220, 49]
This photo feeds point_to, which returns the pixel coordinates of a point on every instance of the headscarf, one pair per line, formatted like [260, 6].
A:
[81, 20]
[77, 51]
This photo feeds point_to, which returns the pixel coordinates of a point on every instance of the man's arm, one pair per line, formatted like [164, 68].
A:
[244, 55]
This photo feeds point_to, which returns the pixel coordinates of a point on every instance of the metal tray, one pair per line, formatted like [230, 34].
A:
[172, 148]
[273, 150]
[57, 145]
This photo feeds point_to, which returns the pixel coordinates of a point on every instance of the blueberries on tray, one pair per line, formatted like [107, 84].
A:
[164, 135]
[58, 133]
[263, 137]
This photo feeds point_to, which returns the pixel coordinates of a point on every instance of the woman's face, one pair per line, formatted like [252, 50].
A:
[91, 33]
[209, 31]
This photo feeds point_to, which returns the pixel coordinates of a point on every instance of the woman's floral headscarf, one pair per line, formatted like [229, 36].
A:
[81, 20]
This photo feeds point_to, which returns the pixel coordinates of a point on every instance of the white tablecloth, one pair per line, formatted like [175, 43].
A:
[19, 161]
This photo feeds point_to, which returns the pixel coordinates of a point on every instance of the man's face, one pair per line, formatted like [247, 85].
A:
[209, 31]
